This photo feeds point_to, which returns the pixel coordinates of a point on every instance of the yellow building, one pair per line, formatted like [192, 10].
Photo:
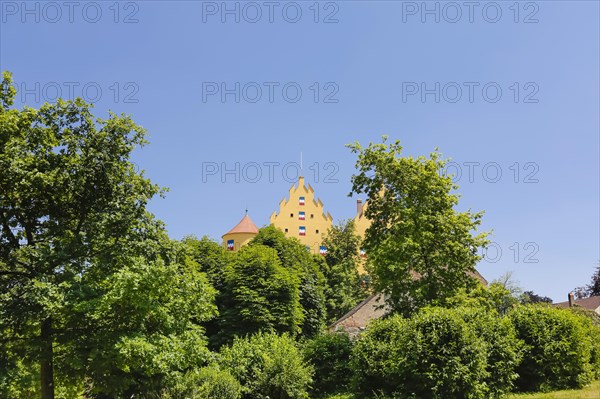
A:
[361, 223]
[302, 216]
[240, 235]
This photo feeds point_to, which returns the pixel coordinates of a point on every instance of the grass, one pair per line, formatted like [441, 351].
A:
[590, 392]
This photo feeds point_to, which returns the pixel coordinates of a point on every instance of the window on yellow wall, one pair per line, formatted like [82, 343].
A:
[286, 230]
[291, 215]
[317, 231]
[312, 216]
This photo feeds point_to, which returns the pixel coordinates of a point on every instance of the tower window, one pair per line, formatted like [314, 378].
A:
[286, 230]
[291, 215]
[312, 216]
[317, 231]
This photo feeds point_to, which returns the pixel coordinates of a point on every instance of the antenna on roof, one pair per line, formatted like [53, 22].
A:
[300, 161]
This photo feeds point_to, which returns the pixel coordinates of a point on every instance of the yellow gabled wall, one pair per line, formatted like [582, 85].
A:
[316, 221]
[361, 223]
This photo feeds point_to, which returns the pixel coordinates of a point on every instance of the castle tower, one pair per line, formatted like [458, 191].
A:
[302, 216]
[243, 232]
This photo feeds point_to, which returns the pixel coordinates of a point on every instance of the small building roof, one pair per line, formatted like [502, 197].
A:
[356, 319]
[591, 303]
[246, 225]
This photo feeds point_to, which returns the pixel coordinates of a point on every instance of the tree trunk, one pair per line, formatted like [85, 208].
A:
[47, 368]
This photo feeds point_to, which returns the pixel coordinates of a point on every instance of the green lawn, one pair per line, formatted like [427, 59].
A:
[591, 392]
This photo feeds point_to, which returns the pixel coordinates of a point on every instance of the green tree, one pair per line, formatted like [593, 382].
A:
[210, 256]
[495, 298]
[268, 366]
[532, 297]
[420, 247]
[259, 295]
[434, 355]
[213, 260]
[309, 269]
[344, 290]
[147, 326]
[558, 348]
[74, 228]
[592, 289]
[330, 356]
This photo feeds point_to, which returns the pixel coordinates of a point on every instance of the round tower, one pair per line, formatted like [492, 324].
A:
[240, 235]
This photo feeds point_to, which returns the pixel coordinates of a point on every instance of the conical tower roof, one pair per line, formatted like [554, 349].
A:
[246, 225]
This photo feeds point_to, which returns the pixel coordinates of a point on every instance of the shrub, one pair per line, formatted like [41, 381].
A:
[592, 321]
[329, 355]
[557, 349]
[433, 355]
[503, 349]
[268, 366]
[205, 383]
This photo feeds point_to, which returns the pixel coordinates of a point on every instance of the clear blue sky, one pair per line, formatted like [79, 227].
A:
[173, 56]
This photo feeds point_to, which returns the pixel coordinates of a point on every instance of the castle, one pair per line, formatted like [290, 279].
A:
[301, 215]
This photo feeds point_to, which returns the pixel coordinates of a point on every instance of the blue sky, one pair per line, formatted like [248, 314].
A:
[509, 91]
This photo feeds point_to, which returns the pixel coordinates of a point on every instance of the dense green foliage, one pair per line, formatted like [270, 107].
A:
[259, 295]
[211, 258]
[494, 298]
[557, 348]
[204, 383]
[432, 355]
[344, 290]
[309, 268]
[417, 242]
[502, 347]
[532, 297]
[91, 289]
[330, 356]
[268, 366]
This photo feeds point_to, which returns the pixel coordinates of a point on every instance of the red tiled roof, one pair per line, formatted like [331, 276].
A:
[591, 303]
[246, 225]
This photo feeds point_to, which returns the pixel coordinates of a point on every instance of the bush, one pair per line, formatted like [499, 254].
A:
[436, 354]
[557, 349]
[205, 383]
[268, 366]
[503, 349]
[592, 321]
[329, 355]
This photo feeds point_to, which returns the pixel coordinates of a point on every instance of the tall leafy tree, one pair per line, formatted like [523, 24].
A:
[76, 241]
[211, 258]
[420, 247]
[259, 294]
[308, 267]
[344, 290]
